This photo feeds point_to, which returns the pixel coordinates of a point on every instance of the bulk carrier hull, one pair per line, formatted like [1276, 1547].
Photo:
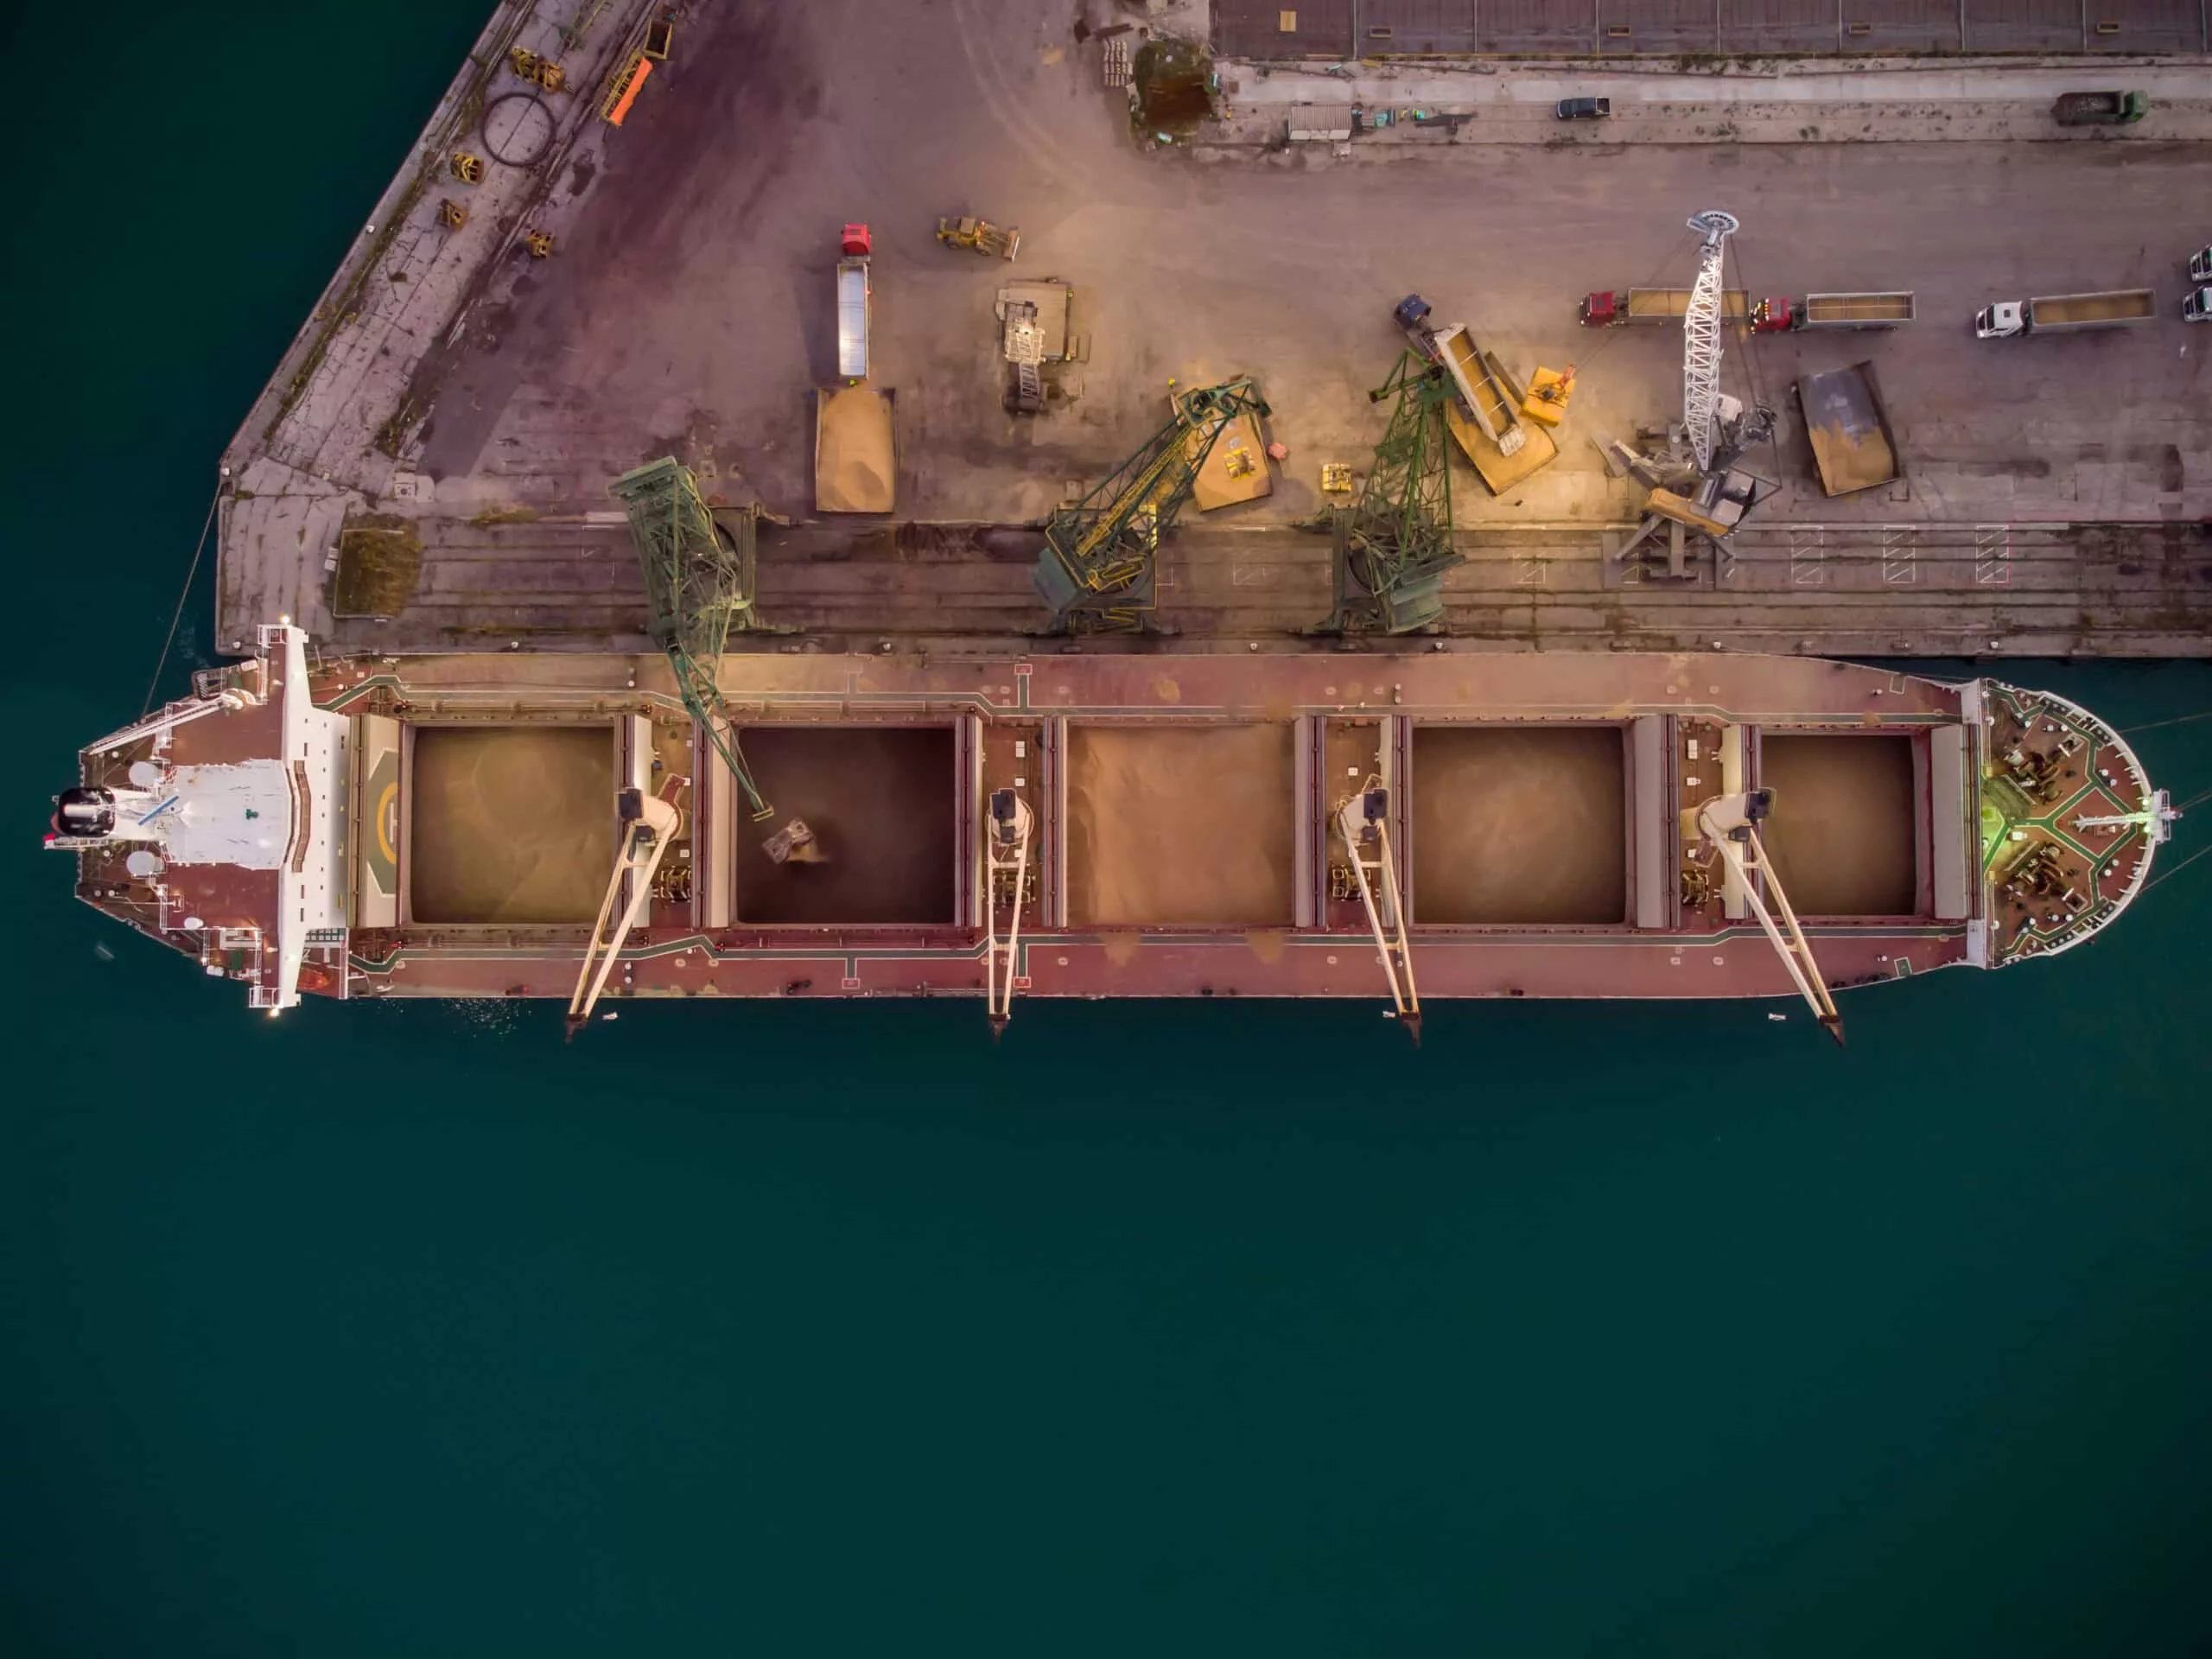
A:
[445, 826]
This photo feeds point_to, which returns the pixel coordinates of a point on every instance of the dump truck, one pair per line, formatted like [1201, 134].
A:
[2063, 313]
[1783, 316]
[1608, 308]
[2099, 109]
[1853, 446]
[852, 303]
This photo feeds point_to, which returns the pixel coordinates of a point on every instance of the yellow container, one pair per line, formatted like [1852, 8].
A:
[1548, 394]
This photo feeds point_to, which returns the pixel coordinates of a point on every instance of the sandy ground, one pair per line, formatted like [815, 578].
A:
[1527, 827]
[1170, 826]
[511, 824]
[1842, 835]
[784, 122]
[880, 803]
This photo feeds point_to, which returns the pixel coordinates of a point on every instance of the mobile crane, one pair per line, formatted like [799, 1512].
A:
[1700, 493]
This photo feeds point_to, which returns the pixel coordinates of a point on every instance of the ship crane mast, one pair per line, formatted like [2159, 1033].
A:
[1731, 822]
[1362, 822]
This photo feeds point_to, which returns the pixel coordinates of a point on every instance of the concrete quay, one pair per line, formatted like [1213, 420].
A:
[487, 399]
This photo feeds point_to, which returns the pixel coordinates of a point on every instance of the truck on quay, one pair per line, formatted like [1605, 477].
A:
[1853, 446]
[1783, 315]
[1609, 307]
[2099, 109]
[2064, 312]
[852, 303]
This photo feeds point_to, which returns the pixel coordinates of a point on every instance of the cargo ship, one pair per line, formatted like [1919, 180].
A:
[1431, 824]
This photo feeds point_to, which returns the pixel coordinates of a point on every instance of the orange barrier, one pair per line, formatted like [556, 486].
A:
[625, 89]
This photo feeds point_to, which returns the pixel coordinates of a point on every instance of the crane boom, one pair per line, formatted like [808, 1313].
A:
[1096, 568]
[648, 825]
[1008, 848]
[699, 584]
[1394, 548]
[1362, 822]
[1702, 336]
[1731, 822]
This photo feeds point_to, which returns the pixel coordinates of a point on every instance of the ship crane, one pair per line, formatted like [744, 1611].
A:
[1096, 572]
[1007, 852]
[648, 825]
[1362, 822]
[1731, 822]
[1701, 493]
[1393, 549]
[698, 578]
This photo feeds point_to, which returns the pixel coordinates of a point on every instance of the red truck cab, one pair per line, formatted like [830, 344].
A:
[1602, 310]
[1776, 315]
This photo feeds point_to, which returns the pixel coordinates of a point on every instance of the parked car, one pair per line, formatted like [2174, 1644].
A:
[1584, 109]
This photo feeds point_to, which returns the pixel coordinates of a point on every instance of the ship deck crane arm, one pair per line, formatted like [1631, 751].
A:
[1731, 822]
[1363, 824]
[649, 823]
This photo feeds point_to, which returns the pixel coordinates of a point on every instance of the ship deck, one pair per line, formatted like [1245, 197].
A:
[1184, 807]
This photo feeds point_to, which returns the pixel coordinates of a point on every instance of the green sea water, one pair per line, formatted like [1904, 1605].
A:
[826, 1330]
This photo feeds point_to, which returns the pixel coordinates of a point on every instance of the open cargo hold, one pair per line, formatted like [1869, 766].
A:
[1520, 825]
[881, 801]
[509, 824]
[1844, 833]
[1180, 825]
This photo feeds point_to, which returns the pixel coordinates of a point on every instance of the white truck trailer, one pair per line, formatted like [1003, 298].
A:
[2065, 313]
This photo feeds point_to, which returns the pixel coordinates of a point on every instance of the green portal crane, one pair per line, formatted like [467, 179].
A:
[1393, 548]
[1096, 572]
[699, 582]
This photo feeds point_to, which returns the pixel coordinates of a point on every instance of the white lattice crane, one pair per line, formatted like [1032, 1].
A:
[1702, 336]
[1695, 488]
